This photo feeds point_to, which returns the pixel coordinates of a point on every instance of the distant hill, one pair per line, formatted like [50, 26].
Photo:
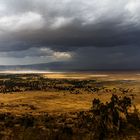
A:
[54, 66]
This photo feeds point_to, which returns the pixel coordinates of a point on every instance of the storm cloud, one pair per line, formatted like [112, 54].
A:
[87, 34]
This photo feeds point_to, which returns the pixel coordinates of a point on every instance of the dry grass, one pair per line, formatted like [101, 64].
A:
[101, 75]
[52, 102]
[38, 102]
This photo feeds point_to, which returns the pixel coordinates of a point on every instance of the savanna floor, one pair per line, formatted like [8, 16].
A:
[59, 102]
[52, 113]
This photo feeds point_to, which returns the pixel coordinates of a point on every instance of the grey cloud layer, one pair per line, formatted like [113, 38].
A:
[70, 26]
[71, 22]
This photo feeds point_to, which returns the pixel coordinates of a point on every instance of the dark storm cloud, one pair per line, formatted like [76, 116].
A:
[114, 58]
[68, 27]
[108, 58]
[71, 23]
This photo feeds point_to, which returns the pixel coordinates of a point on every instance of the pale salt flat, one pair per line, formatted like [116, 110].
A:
[99, 75]
[25, 72]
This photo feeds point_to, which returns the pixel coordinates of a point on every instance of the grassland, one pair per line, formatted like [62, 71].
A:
[57, 106]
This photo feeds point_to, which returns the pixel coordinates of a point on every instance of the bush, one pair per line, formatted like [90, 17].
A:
[109, 117]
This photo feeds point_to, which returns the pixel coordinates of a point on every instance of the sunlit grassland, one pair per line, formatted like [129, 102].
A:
[51, 106]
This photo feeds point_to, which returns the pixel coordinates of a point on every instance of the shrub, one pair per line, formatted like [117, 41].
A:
[109, 117]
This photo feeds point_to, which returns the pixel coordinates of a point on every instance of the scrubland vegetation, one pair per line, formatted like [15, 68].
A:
[34, 107]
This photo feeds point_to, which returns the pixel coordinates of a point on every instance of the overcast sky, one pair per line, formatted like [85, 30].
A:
[87, 34]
